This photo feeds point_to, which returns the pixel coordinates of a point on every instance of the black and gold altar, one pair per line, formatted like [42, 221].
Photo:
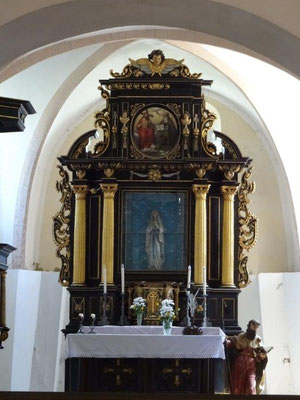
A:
[153, 187]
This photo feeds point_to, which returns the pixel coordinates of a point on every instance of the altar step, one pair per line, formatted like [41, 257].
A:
[133, 396]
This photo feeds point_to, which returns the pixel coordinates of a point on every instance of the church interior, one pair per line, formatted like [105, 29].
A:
[156, 136]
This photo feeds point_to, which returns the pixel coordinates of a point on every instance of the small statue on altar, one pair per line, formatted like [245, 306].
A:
[247, 370]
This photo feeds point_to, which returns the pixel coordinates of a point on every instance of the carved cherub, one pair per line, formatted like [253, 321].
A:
[156, 63]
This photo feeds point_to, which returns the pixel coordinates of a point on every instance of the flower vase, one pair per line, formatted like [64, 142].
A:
[139, 319]
[167, 327]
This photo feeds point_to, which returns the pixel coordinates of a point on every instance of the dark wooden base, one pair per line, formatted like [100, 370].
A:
[139, 375]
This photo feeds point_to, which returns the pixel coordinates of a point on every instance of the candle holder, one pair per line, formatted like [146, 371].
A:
[205, 323]
[104, 320]
[123, 319]
[92, 326]
[80, 330]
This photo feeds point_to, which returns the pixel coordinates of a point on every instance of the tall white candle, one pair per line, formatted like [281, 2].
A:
[189, 277]
[122, 278]
[104, 280]
[204, 280]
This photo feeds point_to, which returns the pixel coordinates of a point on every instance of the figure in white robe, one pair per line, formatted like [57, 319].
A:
[155, 242]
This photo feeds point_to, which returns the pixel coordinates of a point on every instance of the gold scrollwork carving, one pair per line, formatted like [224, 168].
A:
[230, 149]
[102, 122]
[175, 154]
[136, 107]
[61, 226]
[104, 93]
[176, 108]
[207, 121]
[136, 154]
[229, 170]
[248, 226]
[80, 148]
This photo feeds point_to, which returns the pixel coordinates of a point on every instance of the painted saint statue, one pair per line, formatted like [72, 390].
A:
[155, 248]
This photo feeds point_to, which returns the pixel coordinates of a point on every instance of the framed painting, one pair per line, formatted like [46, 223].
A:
[154, 230]
[155, 132]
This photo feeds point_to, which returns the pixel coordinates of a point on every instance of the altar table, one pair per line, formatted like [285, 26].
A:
[141, 358]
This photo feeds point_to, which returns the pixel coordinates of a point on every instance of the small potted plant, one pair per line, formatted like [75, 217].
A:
[138, 306]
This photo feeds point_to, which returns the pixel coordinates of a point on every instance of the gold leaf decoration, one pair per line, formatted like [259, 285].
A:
[61, 226]
[248, 226]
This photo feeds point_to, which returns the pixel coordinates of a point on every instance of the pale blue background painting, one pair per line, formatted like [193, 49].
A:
[172, 207]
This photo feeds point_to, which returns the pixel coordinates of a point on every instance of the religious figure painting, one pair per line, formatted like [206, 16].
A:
[155, 231]
[155, 132]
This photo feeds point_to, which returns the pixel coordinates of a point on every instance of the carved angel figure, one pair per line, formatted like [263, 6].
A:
[156, 63]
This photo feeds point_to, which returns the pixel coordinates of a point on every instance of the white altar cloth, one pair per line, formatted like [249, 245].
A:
[144, 342]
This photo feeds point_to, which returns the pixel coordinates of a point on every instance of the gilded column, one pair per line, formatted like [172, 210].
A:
[109, 191]
[79, 235]
[3, 298]
[228, 235]
[200, 246]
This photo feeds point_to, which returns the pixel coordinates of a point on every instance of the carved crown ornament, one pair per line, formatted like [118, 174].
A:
[155, 65]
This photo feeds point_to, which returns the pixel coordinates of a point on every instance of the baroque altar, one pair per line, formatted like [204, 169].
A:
[153, 187]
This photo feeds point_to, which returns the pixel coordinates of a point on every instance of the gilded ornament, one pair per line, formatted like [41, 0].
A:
[124, 119]
[102, 122]
[248, 226]
[155, 64]
[136, 107]
[81, 146]
[80, 173]
[154, 174]
[229, 149]
[61, 226]
[207, 121]
[176, 108]
[229, 170]
[186, 120]
[109, 172]
[104, 93]
[136, 154]
[201, 168]
[175, 154]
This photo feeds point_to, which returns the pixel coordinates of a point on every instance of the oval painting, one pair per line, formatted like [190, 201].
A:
[155, 132]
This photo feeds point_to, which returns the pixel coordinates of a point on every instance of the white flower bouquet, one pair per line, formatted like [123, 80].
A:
[166, 310]
[138, 305]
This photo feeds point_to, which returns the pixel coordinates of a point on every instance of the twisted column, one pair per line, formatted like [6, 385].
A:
[228, 193]
[200, 242]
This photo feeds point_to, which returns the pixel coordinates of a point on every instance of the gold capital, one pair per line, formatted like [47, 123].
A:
[200, 246]
[80, 191]
[229, 192]
[109, 190]
[200, 191]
